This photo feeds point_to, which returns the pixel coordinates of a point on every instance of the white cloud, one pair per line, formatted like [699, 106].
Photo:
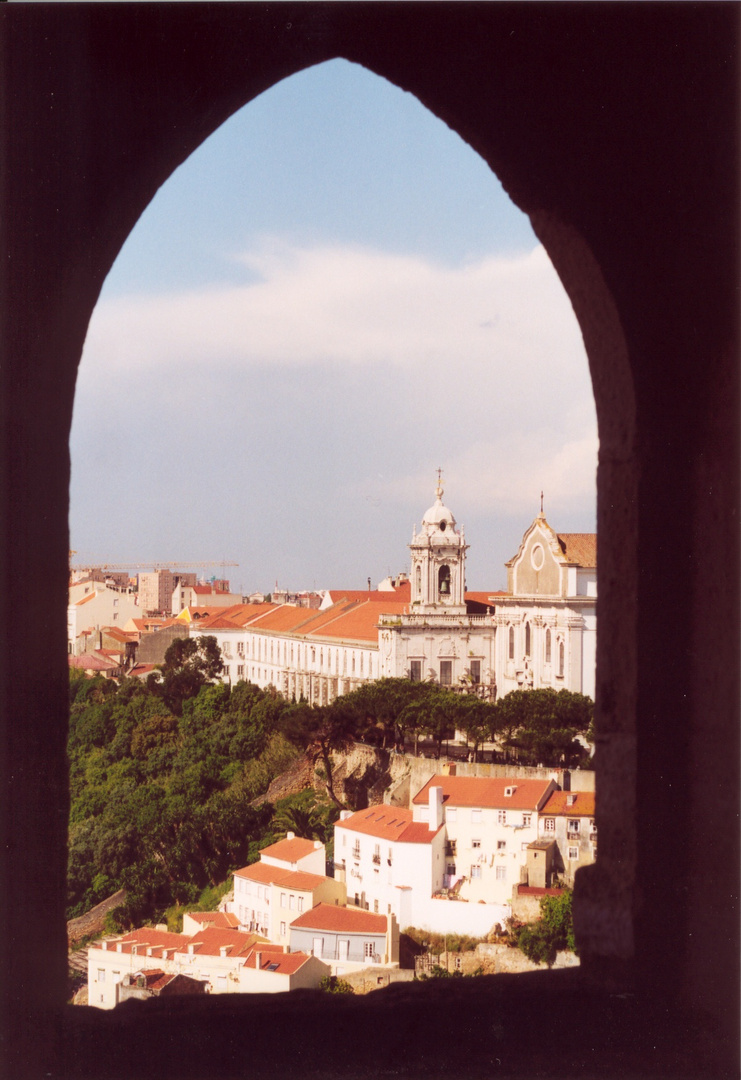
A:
[339, 306]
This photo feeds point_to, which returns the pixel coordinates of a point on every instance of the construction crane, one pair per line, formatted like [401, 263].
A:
[150, 565]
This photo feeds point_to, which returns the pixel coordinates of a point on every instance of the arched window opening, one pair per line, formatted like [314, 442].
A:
[274, 272]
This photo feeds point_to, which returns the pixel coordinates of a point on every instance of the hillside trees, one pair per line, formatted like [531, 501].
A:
[189, 664]
[542, 725]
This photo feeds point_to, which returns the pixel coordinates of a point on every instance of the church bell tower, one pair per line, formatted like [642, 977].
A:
[438, 561]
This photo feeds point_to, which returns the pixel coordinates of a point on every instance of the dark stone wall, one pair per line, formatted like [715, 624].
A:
[616, 128]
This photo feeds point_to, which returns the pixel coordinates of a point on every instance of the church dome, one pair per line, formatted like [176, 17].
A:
[438, 517]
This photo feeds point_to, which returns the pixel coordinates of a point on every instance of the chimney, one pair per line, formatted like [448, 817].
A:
[104, 946]
[223, 950]
[290, 835]
[119, 947]
[345, 814]
[436, 808]
[258, 960]
[318, 844]
[570, 800]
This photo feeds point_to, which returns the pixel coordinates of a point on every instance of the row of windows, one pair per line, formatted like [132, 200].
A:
[446, 671]
[547, 647]
[281, 652]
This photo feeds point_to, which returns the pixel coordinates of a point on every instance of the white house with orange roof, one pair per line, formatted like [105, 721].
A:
[346, 938]
[390, 864]
[295, 853]
[269, 894]
[272, 972]
[488, 823]
[194, 921]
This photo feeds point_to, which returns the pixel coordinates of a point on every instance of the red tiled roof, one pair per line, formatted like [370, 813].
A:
[579, 548]
[485, 791]
[85, 599]
[583, 805]
[282, 963]
[290, 850]
[141, 669]
[146, 938]
[401, 593]
[220, 622]
[91, 662]
[358, 622]
[276, 875]
[220, 919]
[485, 597]
[346, 919]
[389, 823]
[211, 939]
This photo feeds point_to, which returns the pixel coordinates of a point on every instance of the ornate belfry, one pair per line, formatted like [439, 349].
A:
[438, 561]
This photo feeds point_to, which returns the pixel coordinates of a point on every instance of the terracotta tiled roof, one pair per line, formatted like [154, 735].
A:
[120, 635]
[485, 791]
[280, 963]
[210, 940]
[401, 593]
[139, 670]
[276, 875]
[220, 622]
[347, 919]
[358, 623]
[92, 662]
[389, 823]
[220, 919]
[290, 850]
[582, 806]
[579, 548]
[485, 597]
[85, 599]
[145, 625]
[147, 938]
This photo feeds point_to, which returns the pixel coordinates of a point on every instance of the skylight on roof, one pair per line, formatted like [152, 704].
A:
[273, 967]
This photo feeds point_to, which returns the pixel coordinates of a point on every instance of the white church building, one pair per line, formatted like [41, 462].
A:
[541, 632]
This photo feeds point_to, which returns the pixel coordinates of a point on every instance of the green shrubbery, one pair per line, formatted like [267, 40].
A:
[553, 932]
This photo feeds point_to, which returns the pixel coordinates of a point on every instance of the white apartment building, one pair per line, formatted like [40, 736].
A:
[390, 864]
[92, 605]
[267, 899]
[488, 824]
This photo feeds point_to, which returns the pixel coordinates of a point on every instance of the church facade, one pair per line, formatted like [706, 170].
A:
[540, 633]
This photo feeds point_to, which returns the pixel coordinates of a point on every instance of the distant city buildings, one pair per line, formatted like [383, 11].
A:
[541, 632]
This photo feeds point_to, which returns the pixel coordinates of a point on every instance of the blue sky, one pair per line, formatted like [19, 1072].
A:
[331, 298]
